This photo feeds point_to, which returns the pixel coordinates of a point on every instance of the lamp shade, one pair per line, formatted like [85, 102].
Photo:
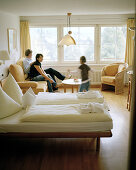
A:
[67, 40]
[4, 55]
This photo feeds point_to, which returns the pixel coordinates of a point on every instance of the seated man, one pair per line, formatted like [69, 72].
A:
[38, 74]
[27, 62]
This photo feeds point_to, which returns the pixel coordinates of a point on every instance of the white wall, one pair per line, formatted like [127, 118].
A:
[8, 21]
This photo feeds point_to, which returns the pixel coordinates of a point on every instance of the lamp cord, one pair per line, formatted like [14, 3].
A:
[69, 24]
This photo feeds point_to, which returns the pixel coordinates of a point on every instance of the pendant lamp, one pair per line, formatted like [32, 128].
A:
[67, 39]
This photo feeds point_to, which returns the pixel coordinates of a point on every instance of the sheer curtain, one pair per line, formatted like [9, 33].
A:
[129, 56]
[25, 42]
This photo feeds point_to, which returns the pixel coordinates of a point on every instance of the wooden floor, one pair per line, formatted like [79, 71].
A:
[72, 154]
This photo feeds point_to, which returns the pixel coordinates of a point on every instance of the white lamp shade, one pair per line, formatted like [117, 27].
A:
[4, 55]
[67, 40]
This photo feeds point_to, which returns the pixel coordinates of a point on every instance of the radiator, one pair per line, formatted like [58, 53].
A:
[96, 77]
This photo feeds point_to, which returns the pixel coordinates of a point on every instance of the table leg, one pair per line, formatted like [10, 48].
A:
[77, 88]
[98, 144]
[72, 89]
[64, 89]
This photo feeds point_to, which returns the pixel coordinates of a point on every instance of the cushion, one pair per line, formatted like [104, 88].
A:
[7, 105]
[108, 79]
[17, 72]
[20, 62]
[42, 85]
[12, 89]
[27, 84]
[111, 70]
[121, 68]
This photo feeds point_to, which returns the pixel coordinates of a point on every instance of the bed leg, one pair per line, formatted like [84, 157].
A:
[98, 144]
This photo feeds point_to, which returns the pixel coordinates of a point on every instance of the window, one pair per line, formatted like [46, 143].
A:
[113, 43]
[84, 37]
[44, 40]
[100, 44]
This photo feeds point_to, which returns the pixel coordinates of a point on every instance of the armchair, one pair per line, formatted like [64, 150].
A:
[113, 76]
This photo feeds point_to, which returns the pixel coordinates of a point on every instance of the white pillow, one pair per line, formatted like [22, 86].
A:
[30, 90]
[7, 105]
[28, 98]
[12, 89]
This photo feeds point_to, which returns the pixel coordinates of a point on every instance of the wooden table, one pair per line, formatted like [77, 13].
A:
[71, 83]
[130, 74]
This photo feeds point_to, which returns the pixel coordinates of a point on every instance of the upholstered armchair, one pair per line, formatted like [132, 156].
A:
[17, 72]
[113, 76]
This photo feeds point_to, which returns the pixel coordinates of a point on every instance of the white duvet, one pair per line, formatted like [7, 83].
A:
[45, 98]
[63, 114]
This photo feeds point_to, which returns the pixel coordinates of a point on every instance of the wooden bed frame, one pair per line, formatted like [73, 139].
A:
[96, 135]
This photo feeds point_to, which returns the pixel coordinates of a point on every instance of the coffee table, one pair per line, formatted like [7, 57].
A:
[71, 83]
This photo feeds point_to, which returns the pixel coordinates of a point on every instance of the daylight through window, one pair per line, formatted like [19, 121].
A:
[44, 40]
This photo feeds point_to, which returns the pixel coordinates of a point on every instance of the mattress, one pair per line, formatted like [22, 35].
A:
[79, 123]
[46, 98]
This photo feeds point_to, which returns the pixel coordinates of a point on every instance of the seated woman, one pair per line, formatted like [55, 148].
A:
[38, 74]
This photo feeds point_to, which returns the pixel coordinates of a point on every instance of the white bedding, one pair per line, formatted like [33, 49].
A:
[63, 114]
[46, 98]
[78, 123]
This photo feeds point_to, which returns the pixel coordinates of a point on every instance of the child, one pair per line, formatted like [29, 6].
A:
[84, 69]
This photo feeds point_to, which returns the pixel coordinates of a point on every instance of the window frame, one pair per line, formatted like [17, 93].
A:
[47, 26]
[77, 25]
[109, 25]
[60, 49]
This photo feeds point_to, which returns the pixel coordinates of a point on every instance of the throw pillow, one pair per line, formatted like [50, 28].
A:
[12, 89]
[7, 105]
[28, 98]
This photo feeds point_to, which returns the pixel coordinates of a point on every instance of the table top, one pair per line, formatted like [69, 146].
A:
[72, 81]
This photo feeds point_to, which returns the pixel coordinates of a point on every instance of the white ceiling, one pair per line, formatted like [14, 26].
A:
[61, 7]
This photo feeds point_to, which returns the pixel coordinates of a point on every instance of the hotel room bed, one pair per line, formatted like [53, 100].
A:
[54, 115]
[54, 121]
